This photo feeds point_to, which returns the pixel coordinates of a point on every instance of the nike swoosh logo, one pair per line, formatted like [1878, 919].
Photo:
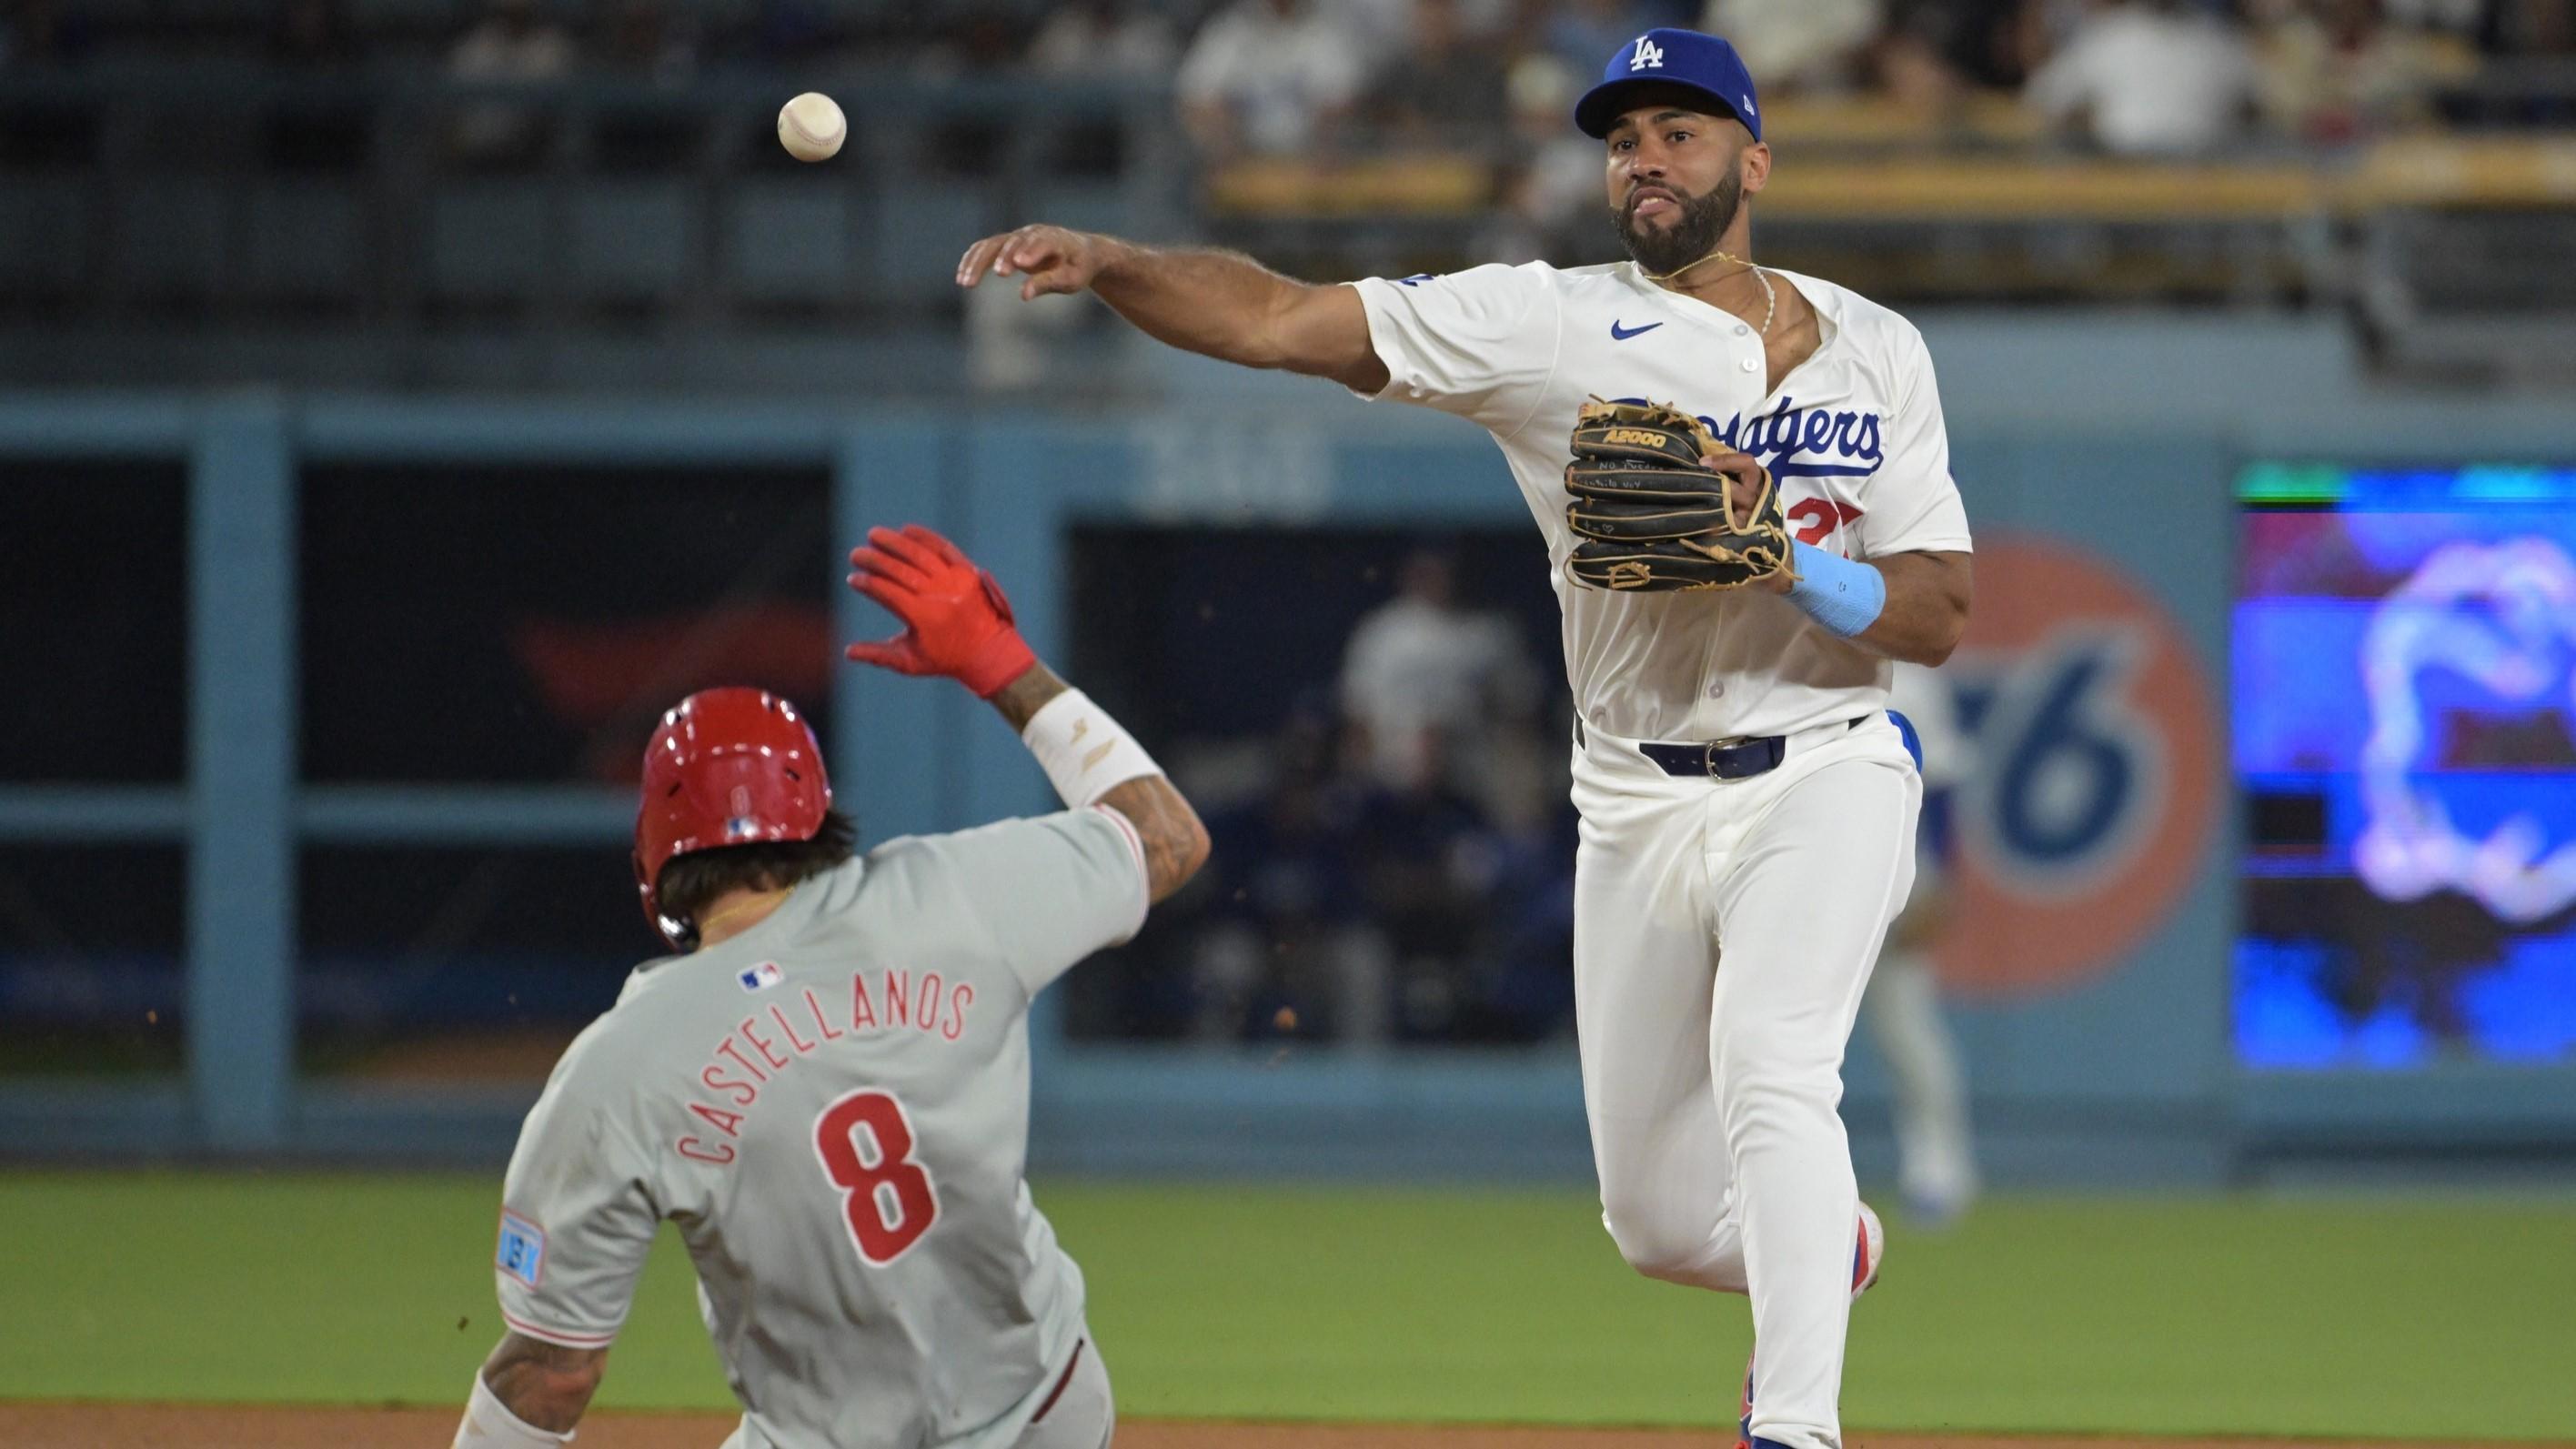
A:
[1622, 334]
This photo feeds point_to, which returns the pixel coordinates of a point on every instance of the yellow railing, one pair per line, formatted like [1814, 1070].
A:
[2536, 171]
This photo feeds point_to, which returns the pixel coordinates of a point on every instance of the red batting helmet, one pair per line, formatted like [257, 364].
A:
[727, 767]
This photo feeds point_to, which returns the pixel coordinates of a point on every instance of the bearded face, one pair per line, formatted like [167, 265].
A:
[1681, 228]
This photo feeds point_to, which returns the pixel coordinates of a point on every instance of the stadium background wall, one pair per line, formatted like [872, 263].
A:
[2121, 1074]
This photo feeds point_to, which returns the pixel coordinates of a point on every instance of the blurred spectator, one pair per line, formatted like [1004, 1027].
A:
[644, 40]
[36, 33]
[2336, 71]
[793, 33]
[1933, 52]
[2150, 78]
[512, 42]
[1269, 76]
[1797, 45]
[2534, 92]
[1936, 1152]
[329, 133]
[1552, 194]
[1523, 972]
[2530, 27]
[1287, 922]
[1426, 857]
[1104, 38]
[2455, 17]
[1385, 27]
[313, 35]
[1426, 679]
[641, 39]
[1585, 33]
[981, 41]
[1100, 40]
[1448, 90]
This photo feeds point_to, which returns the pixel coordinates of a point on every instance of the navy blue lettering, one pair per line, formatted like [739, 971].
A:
[1788, 430]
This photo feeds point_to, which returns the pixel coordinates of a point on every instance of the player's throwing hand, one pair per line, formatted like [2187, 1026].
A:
[957, 622]
[1053, 258]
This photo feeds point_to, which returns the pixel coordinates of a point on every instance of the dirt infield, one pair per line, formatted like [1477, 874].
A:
[132, 1426]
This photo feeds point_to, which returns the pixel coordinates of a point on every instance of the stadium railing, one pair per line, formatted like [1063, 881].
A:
[308, 228]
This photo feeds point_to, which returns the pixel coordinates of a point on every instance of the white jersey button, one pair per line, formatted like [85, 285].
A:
[1741, 329]
[1748, 364]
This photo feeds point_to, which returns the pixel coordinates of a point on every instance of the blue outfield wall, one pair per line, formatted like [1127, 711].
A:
[2110, 442]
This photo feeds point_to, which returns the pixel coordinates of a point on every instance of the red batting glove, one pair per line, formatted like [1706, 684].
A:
[956, 621]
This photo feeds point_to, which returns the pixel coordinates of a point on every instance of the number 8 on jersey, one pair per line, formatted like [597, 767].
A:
[885, 1194]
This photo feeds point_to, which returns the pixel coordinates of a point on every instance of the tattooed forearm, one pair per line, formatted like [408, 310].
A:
[1176, 844]
[546, 1384]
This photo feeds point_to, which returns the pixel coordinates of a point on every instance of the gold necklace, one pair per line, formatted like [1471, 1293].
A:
[765, 898]
[1770, 298]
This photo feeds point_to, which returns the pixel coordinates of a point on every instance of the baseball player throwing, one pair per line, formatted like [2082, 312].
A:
[827, 1088]
[1748, 807]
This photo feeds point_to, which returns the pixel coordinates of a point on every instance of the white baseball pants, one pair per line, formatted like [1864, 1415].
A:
[1723, 932]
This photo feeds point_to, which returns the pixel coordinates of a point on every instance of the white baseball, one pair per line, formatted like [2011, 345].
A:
[811, 127]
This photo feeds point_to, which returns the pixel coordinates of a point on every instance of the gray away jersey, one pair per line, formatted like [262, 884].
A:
[833, 1106]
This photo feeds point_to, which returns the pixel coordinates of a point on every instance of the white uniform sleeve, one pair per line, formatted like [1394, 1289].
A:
[1054, 889]
[577, 1214]
[1481, 343]
[1913, 504]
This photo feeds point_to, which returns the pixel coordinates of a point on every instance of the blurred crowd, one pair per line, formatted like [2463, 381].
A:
[2126, 76]
[1394, 864]
[1298, 76]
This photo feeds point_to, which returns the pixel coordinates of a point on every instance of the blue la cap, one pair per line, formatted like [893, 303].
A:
[1684, 59]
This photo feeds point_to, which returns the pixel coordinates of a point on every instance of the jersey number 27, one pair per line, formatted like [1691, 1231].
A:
[865, 1142]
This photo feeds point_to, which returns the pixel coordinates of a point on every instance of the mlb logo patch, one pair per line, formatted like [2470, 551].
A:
[523, 1249]
[760, 977]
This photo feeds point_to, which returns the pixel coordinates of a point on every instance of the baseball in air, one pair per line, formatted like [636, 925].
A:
[811, 127]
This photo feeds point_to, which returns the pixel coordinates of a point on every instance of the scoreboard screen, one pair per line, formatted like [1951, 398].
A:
[2404, 709]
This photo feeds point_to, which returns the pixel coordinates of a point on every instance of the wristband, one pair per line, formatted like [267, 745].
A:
[1844, 596]
[489, 1424]
[1084, 752]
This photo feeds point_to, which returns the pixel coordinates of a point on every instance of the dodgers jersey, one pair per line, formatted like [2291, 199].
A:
[833, 1107]
[1854, 437]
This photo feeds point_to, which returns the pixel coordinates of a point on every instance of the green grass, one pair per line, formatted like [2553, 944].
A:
[2363, 1317]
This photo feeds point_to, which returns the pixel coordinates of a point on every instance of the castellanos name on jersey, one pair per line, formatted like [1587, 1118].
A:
[1854, 435]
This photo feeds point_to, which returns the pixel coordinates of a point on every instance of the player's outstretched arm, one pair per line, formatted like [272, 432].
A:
[530, 1394]
[1220, 304]
[958, 623]
[1175, 842]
